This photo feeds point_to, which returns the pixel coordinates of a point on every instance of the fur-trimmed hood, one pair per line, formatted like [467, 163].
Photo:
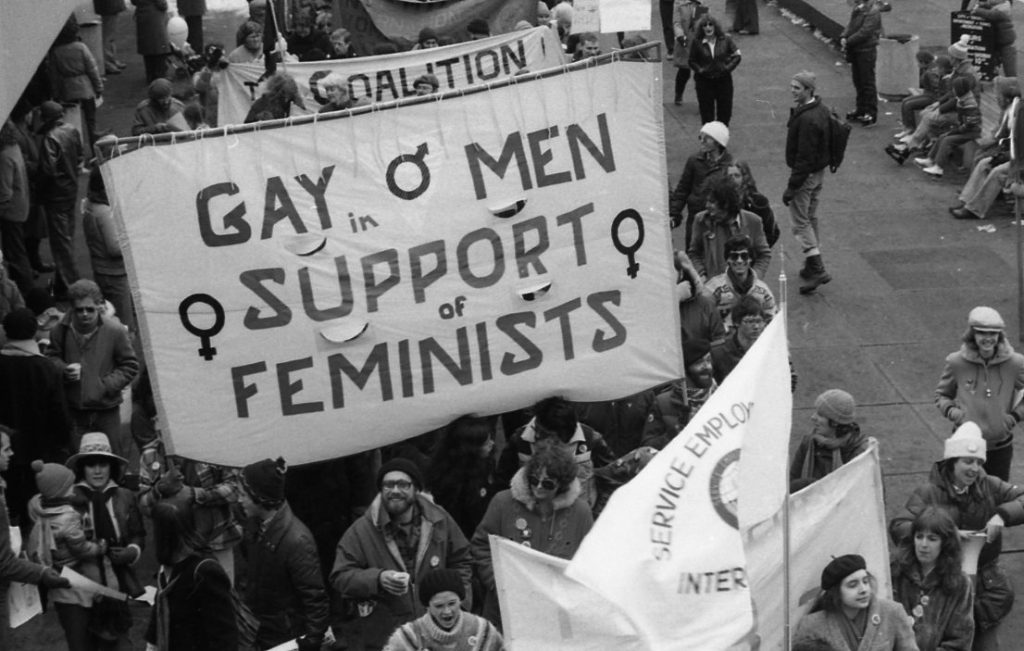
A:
[521, 492]
[1003, 352]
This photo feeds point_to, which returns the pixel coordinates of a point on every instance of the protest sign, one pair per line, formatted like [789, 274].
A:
[396, 21]
[821, 518]
[328, 287]
[390, 77]
[981, 40]
[625, 15]
[544, 610]
[23, 601]
[667, 548]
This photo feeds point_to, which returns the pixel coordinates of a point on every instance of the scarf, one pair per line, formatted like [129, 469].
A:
[820, 445]
[853, 629]
[165, 581]
[744, 286]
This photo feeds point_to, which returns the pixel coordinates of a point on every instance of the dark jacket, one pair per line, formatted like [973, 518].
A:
[365, 551]
[196, 603]
[151, 27]
[59, 158]
[284, 586]
[966, 70]
[621, 422]
[986, 497]
[108, 363]
[692, 190]
[806, 141]
[714, 63]
[1002, 25]
[707, 244]
[12, 568]
[864, 28]
[33, 403]
[942, 621]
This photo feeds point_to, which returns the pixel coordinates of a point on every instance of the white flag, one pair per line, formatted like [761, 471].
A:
[543, 610]
[667, 548]
[842, 513]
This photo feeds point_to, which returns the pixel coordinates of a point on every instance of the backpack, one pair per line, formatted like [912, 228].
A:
[838, 136]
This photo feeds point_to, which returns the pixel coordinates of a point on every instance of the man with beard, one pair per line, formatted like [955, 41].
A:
[284, 586]
[673, 409]
[384, 555]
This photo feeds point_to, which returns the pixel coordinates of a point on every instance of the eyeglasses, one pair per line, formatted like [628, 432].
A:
[546, 484]
[739, 255]
[398, 484]
[752, 320]
[85, 310]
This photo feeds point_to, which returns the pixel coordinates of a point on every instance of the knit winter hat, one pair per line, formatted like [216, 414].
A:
[264, 480]
[958, 50]
[52, 479]
[966, 441]
[50, 111]
[441, 580]
[717, 132]
[840, 568]
[401, 465]
[836, 405]
[478, 26]
[695, 349]
[807, 79]
[160, 89]
[985, 318]
[20, 324]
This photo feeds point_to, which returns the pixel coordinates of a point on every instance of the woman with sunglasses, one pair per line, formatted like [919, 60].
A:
[738, 280]
[542, 510]
[713, 57]
[928, 580]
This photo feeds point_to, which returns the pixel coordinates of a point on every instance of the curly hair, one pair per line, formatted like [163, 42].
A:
[555, 460]
[85, 288]
[947, 567]
[556, 414]
[719, 32]
[725, 193]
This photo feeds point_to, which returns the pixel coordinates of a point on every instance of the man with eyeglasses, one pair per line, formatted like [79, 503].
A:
[383, 556]
[749, 318]
[98, 361]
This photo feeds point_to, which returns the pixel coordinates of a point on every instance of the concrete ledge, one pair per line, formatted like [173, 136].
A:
[819, 20]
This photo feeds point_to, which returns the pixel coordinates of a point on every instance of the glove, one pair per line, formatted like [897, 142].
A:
[956, 415]
[677, 220]
[309, 642]
[123, 555]
[52, 579]
[787, 197]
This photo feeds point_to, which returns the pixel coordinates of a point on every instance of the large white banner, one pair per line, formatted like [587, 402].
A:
[842, 513]
[332, 286]
[544, 610]
[391, 76]
[667, 548]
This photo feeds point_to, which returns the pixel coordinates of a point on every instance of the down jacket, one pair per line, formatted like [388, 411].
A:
[971, 389]
[806, 141]
[108, 363]
[366, 550]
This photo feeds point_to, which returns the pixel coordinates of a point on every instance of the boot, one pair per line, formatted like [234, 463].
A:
[806, 271]
[818, 276]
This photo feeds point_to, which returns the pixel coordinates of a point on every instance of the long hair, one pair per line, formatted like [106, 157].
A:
[173, 531]
[719, 32]
[748, 184]
[456, 457]
[947, 567]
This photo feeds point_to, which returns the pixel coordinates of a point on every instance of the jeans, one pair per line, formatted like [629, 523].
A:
[12, 242]
[862, 66]
[1007, 57]
[984, 185]
[682, 76]
[909, 108]
[804, 211]
[943, 147]
[60, 221]
[714, 97]
[74, 619]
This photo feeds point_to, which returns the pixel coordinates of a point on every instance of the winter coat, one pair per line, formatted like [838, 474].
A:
[699, 318]
[285, 586]
[191, 7]
[152, 119]
[471, 633]
[108, 363]
[108, 7]
[814, 460]
[196, 605]
[33, 403]
[707, 243]
[864, 28]
[587, 446]
[513, 515]
[75, 73]
[684, 21]
[888, 628]
[983, 392]
[367, 549]
[12, 568]
[151, 27]
[14, 187]
[621, 422]
[806, 141]
[58, 538]
[942, 621]
[59, 158]
[966, 70]
[726, 293]
[672, 410]
[101, 238]
[1002, 25]
[987, 496]
[692, 190]
[714, 61]
[968, 115]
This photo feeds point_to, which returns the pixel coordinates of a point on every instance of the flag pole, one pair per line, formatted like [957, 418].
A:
[784, 313]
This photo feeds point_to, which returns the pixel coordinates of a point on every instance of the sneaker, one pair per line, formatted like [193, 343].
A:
[867, 120]
[906, 139]
[902, 134]
[924, 162]
[852, 115]
[933, 170]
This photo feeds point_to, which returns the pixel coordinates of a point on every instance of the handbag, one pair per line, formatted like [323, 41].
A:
[993, 598]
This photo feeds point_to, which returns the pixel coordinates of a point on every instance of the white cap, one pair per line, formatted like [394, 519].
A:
[965, 442]
[717, 132]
